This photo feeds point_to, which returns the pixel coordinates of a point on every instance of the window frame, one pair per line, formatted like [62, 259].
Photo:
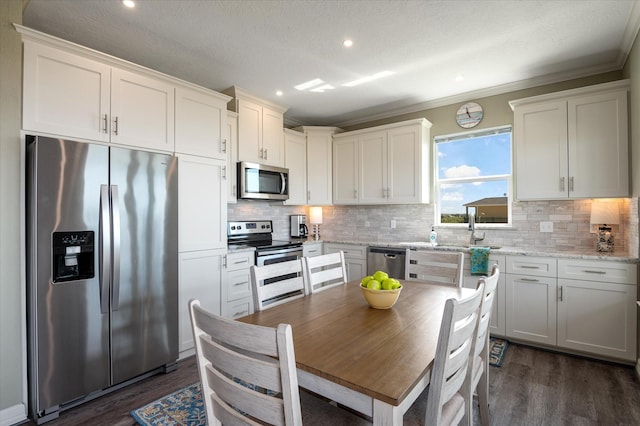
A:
[477, 133]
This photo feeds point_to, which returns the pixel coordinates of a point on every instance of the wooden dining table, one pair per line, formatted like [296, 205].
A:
[374, 361]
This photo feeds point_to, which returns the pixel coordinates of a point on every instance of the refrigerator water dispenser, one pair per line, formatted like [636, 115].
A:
[73, 256]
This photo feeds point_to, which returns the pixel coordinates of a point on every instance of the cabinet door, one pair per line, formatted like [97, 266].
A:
[232, 157]
[319, 165]
[295, 153]
[345, 170]
[404, 165]
[497, 322]
[372, 179]
[202, 208]
[598, 145]
[142, 111]
[540, 134]
[249, 131]
[272, 138]
[200, 123]
[531, 308]
[356, 268]
[597, 317]
[65, 94]
[199, 278]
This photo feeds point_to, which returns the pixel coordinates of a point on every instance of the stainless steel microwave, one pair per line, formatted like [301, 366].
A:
[262, 182]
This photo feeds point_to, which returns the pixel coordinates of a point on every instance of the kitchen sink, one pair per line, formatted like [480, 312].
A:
[427, 244]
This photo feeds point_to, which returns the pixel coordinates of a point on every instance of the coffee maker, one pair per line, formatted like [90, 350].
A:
[299, 226]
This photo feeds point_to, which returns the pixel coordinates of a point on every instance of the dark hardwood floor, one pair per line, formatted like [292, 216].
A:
[533, 387]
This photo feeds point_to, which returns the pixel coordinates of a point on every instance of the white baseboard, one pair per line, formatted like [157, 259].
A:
[13, 415]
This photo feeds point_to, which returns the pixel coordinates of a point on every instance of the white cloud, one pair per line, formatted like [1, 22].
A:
[452, 196]
[463, 171]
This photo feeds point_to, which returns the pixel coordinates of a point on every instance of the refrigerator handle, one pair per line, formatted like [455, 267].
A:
[115, 234]
[105, 248]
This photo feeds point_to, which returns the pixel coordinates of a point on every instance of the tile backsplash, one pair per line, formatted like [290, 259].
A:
[413, 223]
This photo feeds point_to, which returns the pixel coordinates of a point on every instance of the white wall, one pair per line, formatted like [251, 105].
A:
[12, 390]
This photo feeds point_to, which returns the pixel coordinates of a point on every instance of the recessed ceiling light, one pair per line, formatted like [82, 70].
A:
[309, 84]
[279, 93]
[129, 3]
[369, 78]
[347, 43]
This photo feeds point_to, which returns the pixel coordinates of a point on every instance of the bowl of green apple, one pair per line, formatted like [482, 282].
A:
[380, 290]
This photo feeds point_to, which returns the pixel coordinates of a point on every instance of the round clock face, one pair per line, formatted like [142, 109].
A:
[469, 115]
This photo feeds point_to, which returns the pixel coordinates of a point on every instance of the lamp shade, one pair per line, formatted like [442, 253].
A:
[315, 215]
[605, 212]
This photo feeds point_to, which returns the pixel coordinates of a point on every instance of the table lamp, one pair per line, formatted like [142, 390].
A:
[315, 218]
[603, 214]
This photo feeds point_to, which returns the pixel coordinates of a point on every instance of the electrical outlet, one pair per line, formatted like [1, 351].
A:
[546, 226]
[393, 223]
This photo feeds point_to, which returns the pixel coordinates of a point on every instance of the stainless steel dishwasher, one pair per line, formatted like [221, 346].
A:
[387, 259]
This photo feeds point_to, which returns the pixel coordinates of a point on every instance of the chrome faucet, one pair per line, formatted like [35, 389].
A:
[473, 240]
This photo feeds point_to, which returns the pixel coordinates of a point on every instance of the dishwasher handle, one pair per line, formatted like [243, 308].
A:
[387, 251]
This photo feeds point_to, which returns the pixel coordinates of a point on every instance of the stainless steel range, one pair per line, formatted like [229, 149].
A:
[259, 234]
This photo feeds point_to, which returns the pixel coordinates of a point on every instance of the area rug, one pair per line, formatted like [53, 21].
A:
[181, 408]
[497, 350]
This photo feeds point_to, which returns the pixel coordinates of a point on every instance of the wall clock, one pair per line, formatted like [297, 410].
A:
[469, 115]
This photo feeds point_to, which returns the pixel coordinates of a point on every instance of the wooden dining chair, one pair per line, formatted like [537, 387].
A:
[478, 373]
[277, 283]
[248, 375]
[434, 267]
[324, 271]
[446, 394]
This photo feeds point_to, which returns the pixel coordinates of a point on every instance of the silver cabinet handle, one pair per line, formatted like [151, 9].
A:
[224, 172]
[355, 193]
[561, 293]
[105, 122]
[265, 153]
[261, 154]
[529, 267]
[571, 184]
[241, 283]
[223, 146]
[235, 314]
[224, 261]
[589, 271]
[529, 280]
[562, 183]
[115, 126]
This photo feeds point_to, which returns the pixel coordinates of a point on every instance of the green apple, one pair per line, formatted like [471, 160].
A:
[388, 284]
[380, 276]
[396, 284]
[374, 284]
[366, 279]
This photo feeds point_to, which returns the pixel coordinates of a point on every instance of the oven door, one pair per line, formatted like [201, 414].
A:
[269, 256]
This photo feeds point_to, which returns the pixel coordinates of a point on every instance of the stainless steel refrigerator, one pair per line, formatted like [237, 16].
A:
[102, 270]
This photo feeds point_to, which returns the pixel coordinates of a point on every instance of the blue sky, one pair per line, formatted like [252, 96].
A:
[474, 157]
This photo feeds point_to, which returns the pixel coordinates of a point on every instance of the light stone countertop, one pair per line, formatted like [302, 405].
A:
[519, 251]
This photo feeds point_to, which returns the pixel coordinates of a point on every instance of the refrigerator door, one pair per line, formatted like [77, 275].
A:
[144, 318]
[68, 333]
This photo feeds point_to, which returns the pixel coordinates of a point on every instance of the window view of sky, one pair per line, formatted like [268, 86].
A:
[473, 160]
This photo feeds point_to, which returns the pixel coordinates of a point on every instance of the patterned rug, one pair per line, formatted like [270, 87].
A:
[497, 350]
[182, 408]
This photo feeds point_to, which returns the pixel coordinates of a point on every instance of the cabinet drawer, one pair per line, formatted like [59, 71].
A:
[312, 249]
[242, 260]
[350, 250]
[239, 308]
[494, 259]
[238, 285]
[594, 270]
[525, 265]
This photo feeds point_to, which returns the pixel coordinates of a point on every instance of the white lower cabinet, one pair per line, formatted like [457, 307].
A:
[597, 311]
[200, 276]
[237, 299]
[355, 257]
[497, 323]
[311, 249]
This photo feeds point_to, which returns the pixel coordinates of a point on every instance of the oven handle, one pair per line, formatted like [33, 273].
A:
[271, 252]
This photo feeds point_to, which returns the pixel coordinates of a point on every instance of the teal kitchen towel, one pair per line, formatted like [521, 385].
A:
[479, 260]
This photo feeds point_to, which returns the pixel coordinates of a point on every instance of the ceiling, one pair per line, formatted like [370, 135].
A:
[269, 45]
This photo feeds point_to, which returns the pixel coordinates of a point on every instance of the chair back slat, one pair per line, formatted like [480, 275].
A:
[435, 267]
[325, 271]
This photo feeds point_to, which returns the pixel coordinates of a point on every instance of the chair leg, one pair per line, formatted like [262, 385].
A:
[483, 398]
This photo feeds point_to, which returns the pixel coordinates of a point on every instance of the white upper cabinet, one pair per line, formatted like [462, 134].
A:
[295, 159]
[72, 95]
[383, 165]
[201, 123]
[573, 144]
[260, 128]
[319, 164]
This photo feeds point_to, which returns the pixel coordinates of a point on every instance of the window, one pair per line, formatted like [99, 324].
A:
[474, 177]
